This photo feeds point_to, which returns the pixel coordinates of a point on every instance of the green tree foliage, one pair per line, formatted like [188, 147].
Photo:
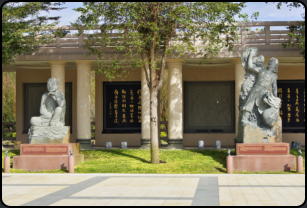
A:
[253, 17]
[22, 25]
[297, 32]
[9, 99]
[146, 33]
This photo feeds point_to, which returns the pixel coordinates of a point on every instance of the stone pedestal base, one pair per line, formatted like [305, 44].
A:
[85, 144]
[44, 162]
[257, 163]
[174, 144]
[263, 157]
[49, 135]
[145, 144]
[35, 157]
[254, 134]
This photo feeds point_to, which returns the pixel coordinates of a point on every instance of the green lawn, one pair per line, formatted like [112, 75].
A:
[137, 161]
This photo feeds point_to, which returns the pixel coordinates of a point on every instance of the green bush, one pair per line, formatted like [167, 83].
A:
[163, 134]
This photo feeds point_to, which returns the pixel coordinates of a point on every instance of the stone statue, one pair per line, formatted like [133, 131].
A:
[53, 107]
[49, 126]
[262, 96]
[259, 119]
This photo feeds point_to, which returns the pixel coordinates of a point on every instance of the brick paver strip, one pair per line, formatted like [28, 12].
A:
[207, 192]
[66, 192]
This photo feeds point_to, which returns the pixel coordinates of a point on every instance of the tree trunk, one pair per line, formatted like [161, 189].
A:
[154, 137]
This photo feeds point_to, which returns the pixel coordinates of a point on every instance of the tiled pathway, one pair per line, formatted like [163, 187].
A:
[153, 189]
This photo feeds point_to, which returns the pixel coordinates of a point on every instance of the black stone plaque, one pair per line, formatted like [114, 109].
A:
[292, 111]
[122, 110]
[209, 107]
[33, 93]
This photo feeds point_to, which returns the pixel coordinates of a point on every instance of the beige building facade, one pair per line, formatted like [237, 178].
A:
[69, 63]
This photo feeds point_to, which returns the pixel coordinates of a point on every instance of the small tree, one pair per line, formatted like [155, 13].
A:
[22, 25]
[148, 32]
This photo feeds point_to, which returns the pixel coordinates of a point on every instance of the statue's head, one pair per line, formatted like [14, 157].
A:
[273, 65]
[52, 85]
[259, 61]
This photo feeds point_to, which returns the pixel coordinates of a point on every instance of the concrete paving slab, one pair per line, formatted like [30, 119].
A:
[153, 189]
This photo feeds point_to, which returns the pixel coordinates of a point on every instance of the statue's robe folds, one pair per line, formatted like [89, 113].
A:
[52, 114]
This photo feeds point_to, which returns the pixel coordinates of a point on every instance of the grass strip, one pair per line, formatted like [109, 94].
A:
[138, 161]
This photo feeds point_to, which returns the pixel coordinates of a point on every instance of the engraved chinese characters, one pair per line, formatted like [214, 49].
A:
[122, 107]
[292, 111]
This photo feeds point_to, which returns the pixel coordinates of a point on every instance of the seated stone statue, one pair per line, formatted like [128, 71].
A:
[49, 126]
[53, 107]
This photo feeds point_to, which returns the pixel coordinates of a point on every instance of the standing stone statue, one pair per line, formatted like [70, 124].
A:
[259, 119]
[49, 126]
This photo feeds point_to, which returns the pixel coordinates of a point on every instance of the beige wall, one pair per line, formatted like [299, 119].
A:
[133, 140]
[39, 76]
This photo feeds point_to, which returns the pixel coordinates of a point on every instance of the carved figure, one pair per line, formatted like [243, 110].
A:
[49, 126]
[267, 103]
[197, 110]
[252, 66]
[53, 107]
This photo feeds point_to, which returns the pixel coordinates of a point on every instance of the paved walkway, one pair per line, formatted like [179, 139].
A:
[153, 189]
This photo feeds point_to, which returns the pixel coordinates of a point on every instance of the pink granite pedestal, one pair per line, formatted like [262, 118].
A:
[35, 157]
[263, 157]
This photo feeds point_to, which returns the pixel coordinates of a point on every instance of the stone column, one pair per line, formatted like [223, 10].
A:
[239, 79]
[84, 104]
[175, 114]
[58, 72]
[145, 140]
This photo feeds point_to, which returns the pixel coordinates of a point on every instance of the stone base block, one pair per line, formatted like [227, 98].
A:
[262, 149]
[254, 134]
[257, 163]
[145, 144]
[85, 144]
[49, 149]
[44, 162]
[49, 135]
[174, 144]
